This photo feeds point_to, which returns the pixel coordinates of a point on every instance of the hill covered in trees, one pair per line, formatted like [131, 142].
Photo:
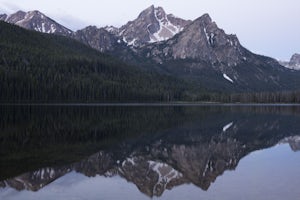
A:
[36, 67]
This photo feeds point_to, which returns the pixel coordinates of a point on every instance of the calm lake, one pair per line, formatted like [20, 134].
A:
[117, 152]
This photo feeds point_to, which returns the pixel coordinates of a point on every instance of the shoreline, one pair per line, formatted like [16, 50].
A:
[151, 104]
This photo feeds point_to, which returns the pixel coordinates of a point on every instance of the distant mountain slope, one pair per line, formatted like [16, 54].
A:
[35, 20]
[43, 67]
[99, 38]
[205, 53]
[294, 62]
[152, 25]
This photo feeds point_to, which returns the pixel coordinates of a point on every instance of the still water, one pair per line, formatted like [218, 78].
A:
[143, 152]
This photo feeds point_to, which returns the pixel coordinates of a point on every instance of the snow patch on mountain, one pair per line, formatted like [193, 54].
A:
[227, 78]
[166, 28]
[226, 127]
[165, 172]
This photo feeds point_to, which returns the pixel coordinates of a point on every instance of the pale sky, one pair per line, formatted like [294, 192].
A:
[268, 27]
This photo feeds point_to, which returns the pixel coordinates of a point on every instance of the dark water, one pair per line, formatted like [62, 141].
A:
[144, 152]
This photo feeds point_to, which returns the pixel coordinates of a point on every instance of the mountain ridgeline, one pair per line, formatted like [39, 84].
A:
[155, 57]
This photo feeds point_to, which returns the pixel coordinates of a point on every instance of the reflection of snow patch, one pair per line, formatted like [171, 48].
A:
[165, 172]
[128, 160]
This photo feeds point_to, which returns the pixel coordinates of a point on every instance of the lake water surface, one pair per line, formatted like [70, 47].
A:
[150, 151]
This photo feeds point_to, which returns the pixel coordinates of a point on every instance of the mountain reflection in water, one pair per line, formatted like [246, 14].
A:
[155, 148]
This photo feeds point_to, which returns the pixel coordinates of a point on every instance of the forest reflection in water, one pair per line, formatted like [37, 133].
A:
[157, 148]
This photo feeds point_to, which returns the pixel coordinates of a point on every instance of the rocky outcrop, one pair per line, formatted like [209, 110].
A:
[37, 21]
[293, 141]
[200, 40]
[152, 25]
[3, 17]
[98, 38]
[294, 62]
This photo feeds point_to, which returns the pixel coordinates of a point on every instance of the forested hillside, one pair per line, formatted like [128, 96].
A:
[36, 67]
[48, 68]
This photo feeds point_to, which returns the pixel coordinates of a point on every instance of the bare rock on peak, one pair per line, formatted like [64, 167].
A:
[37, 21]
[152, 25]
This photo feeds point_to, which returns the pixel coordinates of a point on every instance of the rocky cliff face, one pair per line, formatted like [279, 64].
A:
[98, 38]
[200, 40]
[152, 25]
[294, 62]
[35, 20]
[204, 52]
[3, 17]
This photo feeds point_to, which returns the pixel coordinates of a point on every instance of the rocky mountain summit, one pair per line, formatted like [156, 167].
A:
[201, 40]
[152, 25]
[35, 20]
[294, 62]
[98, 38]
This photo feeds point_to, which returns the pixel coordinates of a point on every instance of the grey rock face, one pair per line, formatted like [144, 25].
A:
[152, 25]
[35, 20]
[294, 62]
[295, 59]
[3, 17]
[99, 39]
[16, 17]
[201, 40]
[112, 29]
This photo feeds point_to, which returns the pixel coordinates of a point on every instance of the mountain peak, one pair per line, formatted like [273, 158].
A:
[294, 62]
[202, 41]
[295, 57]
[14, 18]
[151, 25]
[148, 10]
[3, 17]
[205, 18]
[35, 20]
